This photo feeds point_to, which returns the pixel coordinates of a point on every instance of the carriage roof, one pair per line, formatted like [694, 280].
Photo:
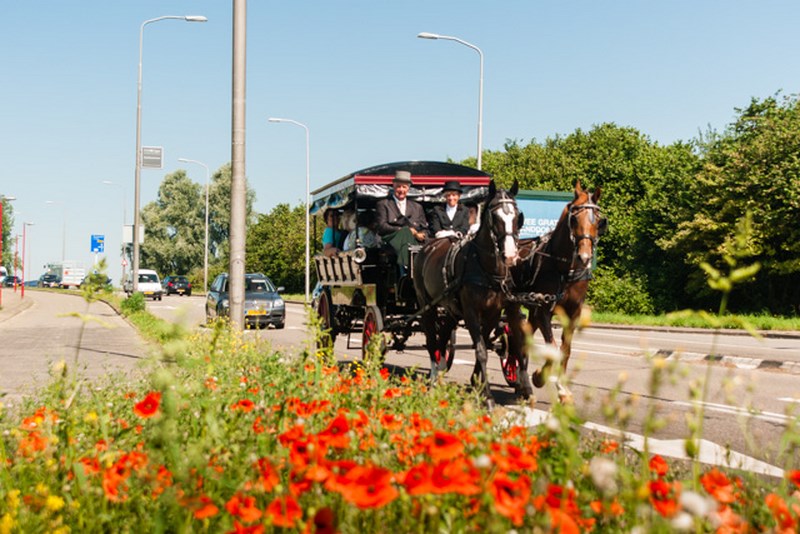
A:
[363, 188]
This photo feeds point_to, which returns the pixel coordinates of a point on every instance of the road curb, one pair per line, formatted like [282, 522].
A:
[732, 361]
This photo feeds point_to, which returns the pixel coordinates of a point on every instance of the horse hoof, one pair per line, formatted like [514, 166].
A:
[538, 379]
[565, 398]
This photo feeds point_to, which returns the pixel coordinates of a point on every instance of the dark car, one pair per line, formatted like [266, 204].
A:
[49, 280]
[11, 281]
[177, 284]
[262, 303]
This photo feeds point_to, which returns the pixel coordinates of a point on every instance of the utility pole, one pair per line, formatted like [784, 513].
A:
[238, 183]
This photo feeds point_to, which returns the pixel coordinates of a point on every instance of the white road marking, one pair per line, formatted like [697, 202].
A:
[789, 399]
[770, 417]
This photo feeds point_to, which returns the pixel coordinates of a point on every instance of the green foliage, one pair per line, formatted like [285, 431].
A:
[132, 304]
[8, 227]
[276, 247]
[613, 293]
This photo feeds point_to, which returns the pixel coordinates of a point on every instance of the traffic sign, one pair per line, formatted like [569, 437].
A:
[98, 243]
[152, 157]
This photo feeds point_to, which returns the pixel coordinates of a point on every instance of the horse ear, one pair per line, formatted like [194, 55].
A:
[514, 188]
[520, 220]
[596, 194]
[492, 189]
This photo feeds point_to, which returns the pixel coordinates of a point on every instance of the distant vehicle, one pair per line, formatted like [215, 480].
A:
[71, 273]
[149, 284]
[177, 284]
[262, 303]
[49, 280]
[11, 281]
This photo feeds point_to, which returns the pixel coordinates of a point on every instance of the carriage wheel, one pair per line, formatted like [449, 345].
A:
[373, 327]
[450, 350]
[508, 362]
[328, 335]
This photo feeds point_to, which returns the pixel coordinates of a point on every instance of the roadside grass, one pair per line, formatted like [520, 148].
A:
[727, 321]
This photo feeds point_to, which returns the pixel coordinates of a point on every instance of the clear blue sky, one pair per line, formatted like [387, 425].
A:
[356, 74]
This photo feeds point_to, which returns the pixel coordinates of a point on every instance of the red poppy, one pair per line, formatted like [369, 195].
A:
[338, 474]
[664, 497]
[148, 407]
[417, 480]
[32, 443]
[443, 446]
[244, 507]
[368, 487]
[91, 466]
[718, 486]
[114, 482]
[456, 476]
[238, 528]
[609, 446]
[510, 497]
[781, 513]
[391, 421]
[324, 521]
[658, 465]
[268, 475]
[206, 508]
[385, 373]
[293, 434]
[284, 511]
[336, 434]
[245, 405]
[392, 393]
[794, 476]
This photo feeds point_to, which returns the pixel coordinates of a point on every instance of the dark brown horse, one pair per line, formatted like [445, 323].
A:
[556, 273]
[468, 280]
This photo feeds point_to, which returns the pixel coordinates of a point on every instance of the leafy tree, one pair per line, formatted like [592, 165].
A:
[276, 247]
[753, 167]
[8, 224]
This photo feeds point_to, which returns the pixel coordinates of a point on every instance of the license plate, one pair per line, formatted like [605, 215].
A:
[256, 312]
[181, 290]
[148, 292]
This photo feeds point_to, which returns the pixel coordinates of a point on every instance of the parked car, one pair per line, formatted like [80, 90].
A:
[49, 280]
[177, 284]
[262, 303]
[149, 284]
[11, 281]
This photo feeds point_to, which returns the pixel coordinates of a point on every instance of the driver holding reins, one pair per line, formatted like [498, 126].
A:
[401, 221]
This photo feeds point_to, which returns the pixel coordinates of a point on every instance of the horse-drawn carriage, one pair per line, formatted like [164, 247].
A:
[472, 281]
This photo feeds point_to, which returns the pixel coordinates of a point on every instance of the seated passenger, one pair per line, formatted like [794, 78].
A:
[451, 219]
[366, 237]
[400, 220]
[474, 220]
[332, 237]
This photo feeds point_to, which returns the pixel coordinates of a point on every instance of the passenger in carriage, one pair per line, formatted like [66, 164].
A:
[452, 219]
[401, 221]
[366, 237]
[474, 220]
[333, 236]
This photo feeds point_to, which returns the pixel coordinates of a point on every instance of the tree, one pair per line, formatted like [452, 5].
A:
[8, 227]
[276, 247]
[220, 218]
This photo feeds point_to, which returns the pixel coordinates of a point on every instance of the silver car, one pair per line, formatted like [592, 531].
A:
[263, 305]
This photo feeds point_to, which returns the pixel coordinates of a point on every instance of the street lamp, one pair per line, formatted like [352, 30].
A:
[138, 173]
[205, 247]
[426, 35]
[124, 220]
[25, 226]
[3, 199]
[63, 228]
[307, 199]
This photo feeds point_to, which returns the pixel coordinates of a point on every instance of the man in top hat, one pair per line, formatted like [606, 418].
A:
[451, 219]
[401, 221]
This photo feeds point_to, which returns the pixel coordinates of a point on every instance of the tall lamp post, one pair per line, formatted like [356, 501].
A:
[3, 199]
[63, 227]
[205, 247]
[124, 220]
[138, 173]
[426, 35]
[307, 199]
[25, 226]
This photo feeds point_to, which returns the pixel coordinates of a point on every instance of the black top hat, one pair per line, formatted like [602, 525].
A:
[452, 185]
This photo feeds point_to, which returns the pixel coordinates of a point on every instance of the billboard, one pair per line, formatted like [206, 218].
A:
[542, 210]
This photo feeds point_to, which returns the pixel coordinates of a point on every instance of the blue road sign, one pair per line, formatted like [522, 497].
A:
[98, 243]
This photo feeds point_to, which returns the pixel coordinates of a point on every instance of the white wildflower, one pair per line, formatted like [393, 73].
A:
[604, 474]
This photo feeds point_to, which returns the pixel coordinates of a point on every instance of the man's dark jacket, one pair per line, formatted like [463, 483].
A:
[388, 218]
[440, 221]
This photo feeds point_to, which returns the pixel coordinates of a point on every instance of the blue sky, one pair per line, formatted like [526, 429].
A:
[357, 76]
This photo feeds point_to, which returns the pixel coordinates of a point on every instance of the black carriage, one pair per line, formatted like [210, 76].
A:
[361, 290]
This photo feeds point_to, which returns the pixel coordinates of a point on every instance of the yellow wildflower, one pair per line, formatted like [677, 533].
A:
[54, 503]
[90, 417]
[12, 498]
[6, 524]
[42, 490]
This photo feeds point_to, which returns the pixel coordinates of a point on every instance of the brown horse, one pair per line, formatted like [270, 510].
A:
[468, 280]
[556, 273]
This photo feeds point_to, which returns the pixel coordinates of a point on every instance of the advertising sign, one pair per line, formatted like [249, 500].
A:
[542, 210]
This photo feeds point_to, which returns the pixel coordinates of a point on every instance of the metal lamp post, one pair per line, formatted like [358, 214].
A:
[63, 227]
[307, 199]
[205, 247]
[426, 35]
[138, 172]
[25, 226]
[3, 199]
[124, 221]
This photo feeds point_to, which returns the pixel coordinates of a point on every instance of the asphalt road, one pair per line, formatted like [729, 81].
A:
[745, 407]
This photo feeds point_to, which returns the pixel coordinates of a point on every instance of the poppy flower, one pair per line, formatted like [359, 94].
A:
[780, 512]
[510, 497]
[609, 446]
[391, 421]
[717, 484]
[284, 511]
[206, 508]
[794, 476]
[324, 521]
[238, 528]
[245, 405]
[417, 480]
[663, 497]
[443, 446]
[368, 487]
[658, 465]
[456, 476]
[335, 435]
[32, 443]
[243, 507]
[148, 407]
[267, 474]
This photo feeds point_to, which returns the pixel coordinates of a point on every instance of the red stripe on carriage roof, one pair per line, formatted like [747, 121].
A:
[371, 179]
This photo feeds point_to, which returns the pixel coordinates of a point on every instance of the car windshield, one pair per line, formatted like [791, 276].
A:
[148, 278]
[258, 285]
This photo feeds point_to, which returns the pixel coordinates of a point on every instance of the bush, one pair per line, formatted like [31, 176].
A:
[133, 304]
[612, 293]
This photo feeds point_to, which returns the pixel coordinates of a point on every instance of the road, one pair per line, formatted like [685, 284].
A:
[745, 408]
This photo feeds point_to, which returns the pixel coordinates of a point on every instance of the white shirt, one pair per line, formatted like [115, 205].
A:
[401, 205]
[450, 211]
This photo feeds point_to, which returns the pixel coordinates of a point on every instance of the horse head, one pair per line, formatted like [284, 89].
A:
[502, 219]
[585, 222]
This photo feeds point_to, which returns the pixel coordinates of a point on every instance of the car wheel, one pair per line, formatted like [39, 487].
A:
[280, 325]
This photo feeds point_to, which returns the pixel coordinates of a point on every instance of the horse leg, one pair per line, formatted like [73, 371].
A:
[429, 322]
[446, 327]
[479, 375]
[543, 319]
[516, 349]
